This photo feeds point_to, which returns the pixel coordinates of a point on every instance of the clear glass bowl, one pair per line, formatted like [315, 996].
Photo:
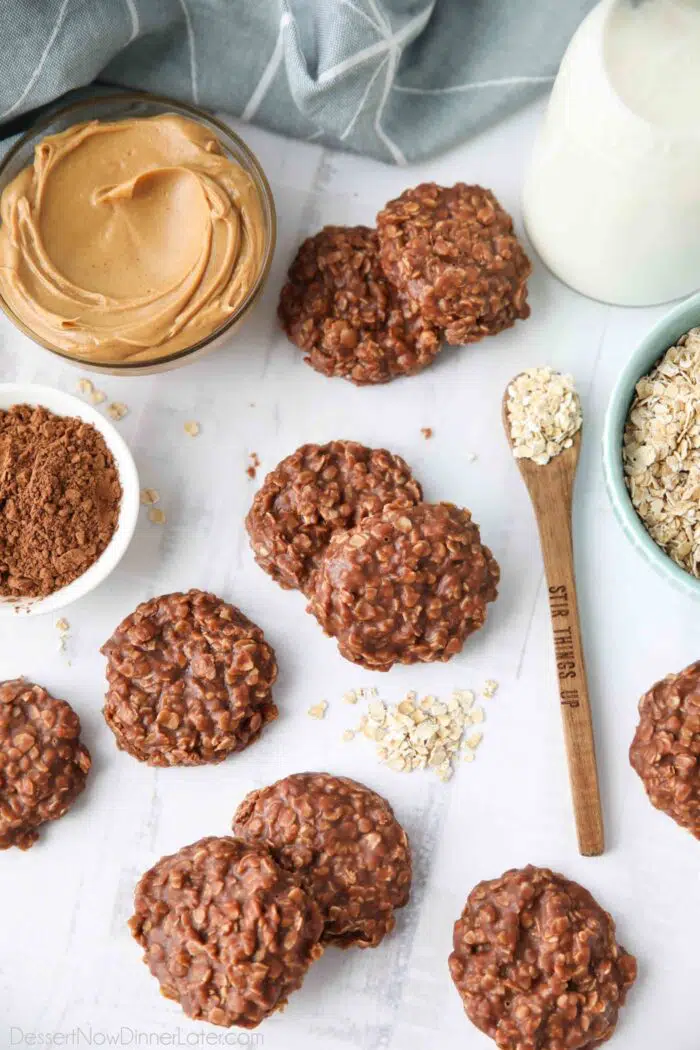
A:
[141, 104]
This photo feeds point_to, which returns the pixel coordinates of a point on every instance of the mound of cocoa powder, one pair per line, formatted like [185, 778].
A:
[59, 500]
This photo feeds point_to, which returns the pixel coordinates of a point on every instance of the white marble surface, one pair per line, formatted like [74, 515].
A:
[67, 962]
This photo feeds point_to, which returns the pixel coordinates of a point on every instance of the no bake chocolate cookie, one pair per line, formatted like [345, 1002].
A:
[189, 680]
[339, 308]
[405, 586]
[43, 765]
[226, 931]
[313, 493]
[453, 252]
[665, 751]
[343, 841]
[537, 965]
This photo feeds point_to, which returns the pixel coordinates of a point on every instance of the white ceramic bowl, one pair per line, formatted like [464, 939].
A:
[67, 405]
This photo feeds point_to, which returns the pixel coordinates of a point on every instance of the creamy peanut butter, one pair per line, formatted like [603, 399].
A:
[128, 241]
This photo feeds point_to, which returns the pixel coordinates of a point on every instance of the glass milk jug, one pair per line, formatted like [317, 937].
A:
[612, 195]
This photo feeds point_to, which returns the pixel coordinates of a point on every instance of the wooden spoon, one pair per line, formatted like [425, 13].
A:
[551, 490]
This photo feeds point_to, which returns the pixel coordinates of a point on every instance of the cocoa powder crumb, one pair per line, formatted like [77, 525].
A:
[252, 469]
[59, 500]
[427, 432]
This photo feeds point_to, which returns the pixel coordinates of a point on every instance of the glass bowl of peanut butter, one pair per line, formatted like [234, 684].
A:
[136, 233]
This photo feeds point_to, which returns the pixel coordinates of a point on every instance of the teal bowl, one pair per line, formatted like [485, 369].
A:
[663, 335]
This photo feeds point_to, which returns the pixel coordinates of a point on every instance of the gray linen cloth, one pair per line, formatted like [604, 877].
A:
[396, 79]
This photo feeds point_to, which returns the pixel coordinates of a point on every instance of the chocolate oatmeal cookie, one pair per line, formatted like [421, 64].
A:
[405, 586]
[665, 751]
[227, 932]
[189, 680]
[339, 308]
[343, 841]
[313, 493]
[453, 252]
[43, 765]
[536, 963]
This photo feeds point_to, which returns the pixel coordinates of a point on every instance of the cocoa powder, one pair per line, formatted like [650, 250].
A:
[59, 500]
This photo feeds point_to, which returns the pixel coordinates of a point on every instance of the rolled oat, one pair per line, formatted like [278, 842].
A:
[418, 734]
[544, 413]
[117, 410]
[318, 711]
[661, 452]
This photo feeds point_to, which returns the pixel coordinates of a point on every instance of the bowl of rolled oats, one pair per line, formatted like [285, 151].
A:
[651, 447]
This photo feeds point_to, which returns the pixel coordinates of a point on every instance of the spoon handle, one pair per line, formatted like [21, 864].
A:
[555, 528]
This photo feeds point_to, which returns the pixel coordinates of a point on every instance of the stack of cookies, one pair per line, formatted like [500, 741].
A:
[370, 305]
[231, 925]
[392, 578]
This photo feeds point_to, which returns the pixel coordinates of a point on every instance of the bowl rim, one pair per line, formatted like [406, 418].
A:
[97, 573]
[196, 113]
[664, 334]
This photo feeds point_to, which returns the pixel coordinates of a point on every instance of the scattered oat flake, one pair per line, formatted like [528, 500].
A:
[62, 626]
[192, 428]
[157, 516]
[350, 697]
[420, 733]
[349, 735]
[97, 397]
[85, 386]
[318, 710]
[544, 413]
[117, 410]
[149, 496]
[490, 689]
[427, 432]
